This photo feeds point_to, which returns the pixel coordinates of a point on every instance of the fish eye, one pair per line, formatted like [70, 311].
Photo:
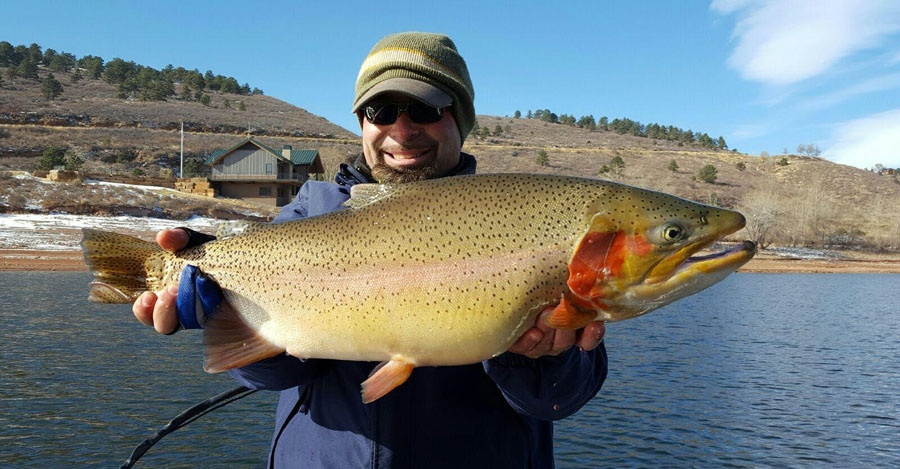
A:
[672, 232]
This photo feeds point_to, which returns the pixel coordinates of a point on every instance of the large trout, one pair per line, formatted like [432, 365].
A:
[442, 272]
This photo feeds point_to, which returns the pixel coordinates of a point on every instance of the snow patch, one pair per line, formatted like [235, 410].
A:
[61, 232]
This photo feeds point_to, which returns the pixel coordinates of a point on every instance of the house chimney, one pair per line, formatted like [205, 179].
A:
[286, 151]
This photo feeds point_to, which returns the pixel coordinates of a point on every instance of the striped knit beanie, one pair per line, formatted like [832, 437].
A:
[424, 66]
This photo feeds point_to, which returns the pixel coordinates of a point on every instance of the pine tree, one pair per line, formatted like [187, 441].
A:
[708, 173]
[673, 166]
[617, 165]
[542, 158]
[517, 114]
[51, 88]
[74, 162]
[241, 106]
[28, 69]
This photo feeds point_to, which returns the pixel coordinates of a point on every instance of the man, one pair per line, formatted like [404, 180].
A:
[414, 101]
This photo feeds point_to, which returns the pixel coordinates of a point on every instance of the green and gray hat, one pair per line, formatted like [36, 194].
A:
[423, 66]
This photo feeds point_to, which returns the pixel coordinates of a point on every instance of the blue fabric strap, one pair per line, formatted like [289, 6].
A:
[195, 288]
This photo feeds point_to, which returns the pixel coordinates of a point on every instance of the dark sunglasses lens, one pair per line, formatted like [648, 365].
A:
[386, 114]
[382, 114]
[424, 114]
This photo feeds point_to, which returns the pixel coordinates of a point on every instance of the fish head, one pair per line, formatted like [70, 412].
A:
[635, 255]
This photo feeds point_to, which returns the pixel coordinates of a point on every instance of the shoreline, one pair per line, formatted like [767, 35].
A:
[34, 260]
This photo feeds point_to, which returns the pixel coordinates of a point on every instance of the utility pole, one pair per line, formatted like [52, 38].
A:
[181, 171]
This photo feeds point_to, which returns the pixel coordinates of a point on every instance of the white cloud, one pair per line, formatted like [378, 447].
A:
[783, 42]
[868, 141]
[872, 85]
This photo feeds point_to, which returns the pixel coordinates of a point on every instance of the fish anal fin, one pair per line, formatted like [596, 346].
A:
[385, 377]
[566, 315]
[231, 343]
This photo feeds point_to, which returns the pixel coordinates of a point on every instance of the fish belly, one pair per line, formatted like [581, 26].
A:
[442, 318]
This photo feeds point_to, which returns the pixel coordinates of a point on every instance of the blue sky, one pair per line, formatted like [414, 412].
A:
[765, 75]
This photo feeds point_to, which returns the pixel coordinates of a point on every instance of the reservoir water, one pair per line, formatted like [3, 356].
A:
[758, 371]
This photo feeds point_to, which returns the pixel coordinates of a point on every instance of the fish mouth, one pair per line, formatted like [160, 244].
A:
[738, 254]
[683, 260]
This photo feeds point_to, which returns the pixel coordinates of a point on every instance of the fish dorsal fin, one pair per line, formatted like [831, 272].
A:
[365, 194]
[232, 228]
[231, 343]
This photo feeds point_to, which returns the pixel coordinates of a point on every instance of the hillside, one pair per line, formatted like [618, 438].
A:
[808, 201]
[88, 119]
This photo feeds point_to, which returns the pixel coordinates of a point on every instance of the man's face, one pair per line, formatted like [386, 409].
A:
[406, 151]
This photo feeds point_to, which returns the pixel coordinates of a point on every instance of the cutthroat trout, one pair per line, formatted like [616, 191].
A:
[442, 272]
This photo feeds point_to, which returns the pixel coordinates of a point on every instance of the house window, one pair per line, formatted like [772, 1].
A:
[268, 168]
[265, 192]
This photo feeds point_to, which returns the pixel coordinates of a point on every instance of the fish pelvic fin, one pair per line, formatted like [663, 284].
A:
[231, 343]
[566, 315]
[123, 266]
[385, 377]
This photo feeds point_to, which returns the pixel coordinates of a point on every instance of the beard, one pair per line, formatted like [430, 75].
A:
[384, 174]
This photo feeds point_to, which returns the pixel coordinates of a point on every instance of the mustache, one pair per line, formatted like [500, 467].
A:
[413, 145]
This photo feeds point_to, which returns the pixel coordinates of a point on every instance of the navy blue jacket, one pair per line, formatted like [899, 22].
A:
[494, 414]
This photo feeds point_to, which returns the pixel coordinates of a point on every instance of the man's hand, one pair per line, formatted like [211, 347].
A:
[543, 340]
[157, 309]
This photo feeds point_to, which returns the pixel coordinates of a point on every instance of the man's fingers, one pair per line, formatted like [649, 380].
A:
[165, 318]
[527, 342]
[589, 338]
[563, 340]
[143, 308]
[172, 240]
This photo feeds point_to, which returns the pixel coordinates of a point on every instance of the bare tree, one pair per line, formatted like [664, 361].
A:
[760, 206]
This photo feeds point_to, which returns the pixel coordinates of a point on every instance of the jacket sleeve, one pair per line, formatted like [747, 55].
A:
[277, 373]
[549, 388]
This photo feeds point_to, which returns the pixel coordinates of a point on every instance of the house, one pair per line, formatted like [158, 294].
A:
[253, 171]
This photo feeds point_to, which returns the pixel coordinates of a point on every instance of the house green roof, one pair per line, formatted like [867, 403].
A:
[298, 157]
[304, 157]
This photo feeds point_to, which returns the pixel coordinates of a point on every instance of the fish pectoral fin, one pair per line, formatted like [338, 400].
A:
[566, 316]
[385, 377]
[231, 343]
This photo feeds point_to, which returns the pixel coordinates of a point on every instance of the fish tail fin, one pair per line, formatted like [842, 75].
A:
[123, 266]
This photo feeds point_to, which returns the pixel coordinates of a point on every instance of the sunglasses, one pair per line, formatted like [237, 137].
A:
[387, 113]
